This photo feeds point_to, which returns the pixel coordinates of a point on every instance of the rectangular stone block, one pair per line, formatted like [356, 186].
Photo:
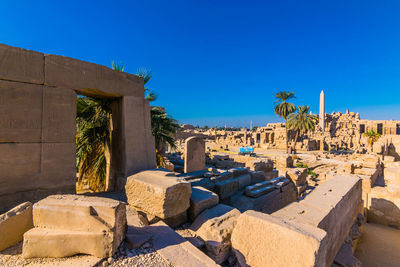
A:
[294, 244]
[59, 115]
[200, 200]
[21, 65]
[66, 225]
[20, 168]
[297, 175]
[227, 188]
[244, 181]
[194, 154]
[158, 193]
[58, 165]
[14, 223]
[333, 206]
[20, 112]
[44, 243]
[90, 79]
[81, 213]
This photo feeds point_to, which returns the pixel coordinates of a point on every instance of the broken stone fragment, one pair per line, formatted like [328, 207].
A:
[215, 227]
[200, 200]
[14, 223]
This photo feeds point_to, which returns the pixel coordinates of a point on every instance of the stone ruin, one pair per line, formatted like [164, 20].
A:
[206, 209]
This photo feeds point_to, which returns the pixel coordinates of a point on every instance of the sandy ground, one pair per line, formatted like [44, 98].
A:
[379, 246]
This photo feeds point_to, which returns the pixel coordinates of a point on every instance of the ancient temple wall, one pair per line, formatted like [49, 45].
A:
[38, 95]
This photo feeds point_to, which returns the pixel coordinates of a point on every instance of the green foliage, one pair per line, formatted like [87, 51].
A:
[312, 173]
[116, 66]
[302, 121]
[283, 108]
[301, 165]
[254, 129]
[372, 137]
[164, 129]
[146, 75]
[92, 140]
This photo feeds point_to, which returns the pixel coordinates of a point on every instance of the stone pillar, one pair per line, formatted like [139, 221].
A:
[322, 110]
[195, 158]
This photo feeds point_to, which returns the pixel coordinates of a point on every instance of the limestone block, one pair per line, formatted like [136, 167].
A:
[257, 176]
[58, 166]
[226, 189]
[81, 213]
[66, 225]
[159, 193]
[59, 115]
[176, 220]
[13, 178]
[20, 112]
[284, 161]
[260, 165]
[175, 249]
[244, 181]
[271, 175]
[43, 243]
[295, 244]
[194, 154]
[89, 78]
[14, 223]
[21, 65]
[200, 200]
[215, 227]
[336, 200]
[236, 172]
[392, 176]
[297, 175]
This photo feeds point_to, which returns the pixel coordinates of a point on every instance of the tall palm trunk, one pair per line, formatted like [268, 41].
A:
[287, 137]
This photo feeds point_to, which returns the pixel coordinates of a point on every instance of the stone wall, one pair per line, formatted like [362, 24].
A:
[37, 122]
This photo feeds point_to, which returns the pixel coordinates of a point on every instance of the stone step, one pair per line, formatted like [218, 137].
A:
[43, 243]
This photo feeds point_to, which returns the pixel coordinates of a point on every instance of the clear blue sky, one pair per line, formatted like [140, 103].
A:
[210, 58]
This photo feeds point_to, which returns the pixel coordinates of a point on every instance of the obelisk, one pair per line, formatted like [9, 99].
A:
[322, 110]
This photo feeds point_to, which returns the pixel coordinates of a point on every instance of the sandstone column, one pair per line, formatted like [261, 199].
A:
[322, 110]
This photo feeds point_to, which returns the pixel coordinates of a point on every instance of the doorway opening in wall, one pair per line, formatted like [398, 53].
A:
[362, 128]
[379, 128]
[94, 138]
[397, 129]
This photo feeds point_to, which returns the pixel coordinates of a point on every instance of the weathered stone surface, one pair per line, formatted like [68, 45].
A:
[294, 244]
[175, 249]
[244, 181]
[89, 78]
[176, 220]
[66, 225]
[284, 162]
[14, 178]
[260, 165]
[236, 172]
[336, 200]
[14, 223]
[20, 112]
[200, 200]
[226, 189]
[194, 154]
[257, 177]
[59, 112]
[159, 193]
[215, 227]
[21, 65]
[297, 175]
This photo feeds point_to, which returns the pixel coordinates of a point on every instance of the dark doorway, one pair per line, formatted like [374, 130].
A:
[379, 128]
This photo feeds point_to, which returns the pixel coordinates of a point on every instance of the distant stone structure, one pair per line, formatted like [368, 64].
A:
[195, 159]
[322, 110]
[38, 127]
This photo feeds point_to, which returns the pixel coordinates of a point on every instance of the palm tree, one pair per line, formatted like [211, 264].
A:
[163, 129]
[283, 109]
[302, 121]
[93, 141]
[146, 75]
[372, 137]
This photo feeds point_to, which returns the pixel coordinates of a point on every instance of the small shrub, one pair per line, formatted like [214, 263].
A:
[301, 165]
